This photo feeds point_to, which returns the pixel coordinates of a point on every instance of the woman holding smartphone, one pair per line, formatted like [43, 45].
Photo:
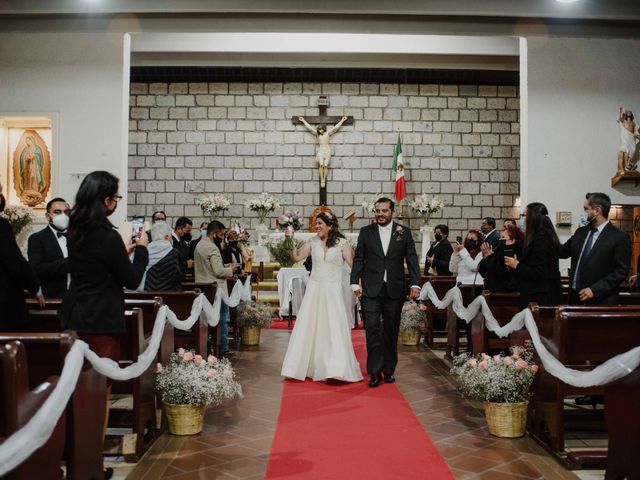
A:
[466, 258]
[100, 268]
[497, 277]
[537, 271]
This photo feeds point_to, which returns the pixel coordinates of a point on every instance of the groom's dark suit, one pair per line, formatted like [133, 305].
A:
[382, 300]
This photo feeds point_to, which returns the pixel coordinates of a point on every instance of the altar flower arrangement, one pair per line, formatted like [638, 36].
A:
[212, 205]
[426, 206]
[188, 383]
[413, 320]
[503, 383]
[369, 202]
[290, 218]
[18, 216]
[263, 204]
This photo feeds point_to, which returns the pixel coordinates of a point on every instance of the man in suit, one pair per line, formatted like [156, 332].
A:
[488, 229]
[600, 255]
[181, 240]
[16, 275]
[209, 268]
[440, 252]
[47, 250]
[600, 261]
[379, 261]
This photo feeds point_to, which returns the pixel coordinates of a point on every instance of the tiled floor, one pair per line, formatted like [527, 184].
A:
[237, 438]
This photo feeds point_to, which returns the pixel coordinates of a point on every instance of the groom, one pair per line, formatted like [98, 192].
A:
[382, 250]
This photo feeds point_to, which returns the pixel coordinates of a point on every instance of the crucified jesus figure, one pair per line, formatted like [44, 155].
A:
[323, 155]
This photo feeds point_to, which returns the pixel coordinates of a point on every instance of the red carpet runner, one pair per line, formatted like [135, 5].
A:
[351, 431]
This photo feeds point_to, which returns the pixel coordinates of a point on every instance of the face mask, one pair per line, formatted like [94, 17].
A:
[203, 233]
[471, 244]
[438, 237]
[585, 219]
[160, 222]
[233, 244]
[217, 241]
[186, 237]
[60, 222]
[484, 229]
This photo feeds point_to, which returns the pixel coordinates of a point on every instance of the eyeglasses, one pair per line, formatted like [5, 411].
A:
[117, 198]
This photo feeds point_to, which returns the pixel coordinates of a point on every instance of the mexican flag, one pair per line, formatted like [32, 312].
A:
[398, 167]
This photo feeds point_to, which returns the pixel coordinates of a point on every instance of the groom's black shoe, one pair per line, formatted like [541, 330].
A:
[389, 379]
[375, 381]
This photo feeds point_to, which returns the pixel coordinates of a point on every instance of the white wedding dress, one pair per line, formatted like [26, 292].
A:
[320, 345]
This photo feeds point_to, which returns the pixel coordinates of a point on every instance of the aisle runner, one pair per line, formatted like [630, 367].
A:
[351, 431]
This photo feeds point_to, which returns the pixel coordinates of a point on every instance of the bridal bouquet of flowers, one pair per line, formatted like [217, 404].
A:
[18, 216]
[369, 203]
[263, 204]
[426, 206]
[212, 205]
[498, 379]
[190, 379]
[290, 218]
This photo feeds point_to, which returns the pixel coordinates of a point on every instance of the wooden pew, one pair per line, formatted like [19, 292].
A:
[141, 417]
[581, 337]
[209, 290]
[18, 403]
[180, 303]
[456, 326]
[503, 306]
[437, 319]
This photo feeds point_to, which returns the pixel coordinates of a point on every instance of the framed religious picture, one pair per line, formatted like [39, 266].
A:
[563, 219]
[30, 164]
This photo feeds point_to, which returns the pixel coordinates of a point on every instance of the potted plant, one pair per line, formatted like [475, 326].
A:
[412, 322]
[253, 316]
[502, 383]
[263, 204]
[213, 205]
[188, 383]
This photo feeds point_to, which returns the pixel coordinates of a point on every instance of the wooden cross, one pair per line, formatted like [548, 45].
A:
[323, 120]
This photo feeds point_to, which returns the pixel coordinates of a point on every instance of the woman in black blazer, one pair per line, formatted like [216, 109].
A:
[100, 269]
[440, 252]
[16, 275]
[538, 272]
[497, 277]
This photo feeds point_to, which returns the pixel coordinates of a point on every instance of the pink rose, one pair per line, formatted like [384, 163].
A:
[497, 358]
[212, 373]
[198, 359]
[211, 359]
[472, 363]
[521, 364]
[534, 369]
[508, 361]
[181, 351]
[188, 356]
[158, 367]
[485, 356]
[483, 364]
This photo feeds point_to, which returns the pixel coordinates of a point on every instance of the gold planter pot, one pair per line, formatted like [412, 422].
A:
[507, 420]
[185, 419]
[410, 337]
[250, 336]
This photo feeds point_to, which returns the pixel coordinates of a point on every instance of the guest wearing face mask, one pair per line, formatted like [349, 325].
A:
[181, 240]
[100, 270]
[439, 255]
[16, 276]
[48, 253]
[231, 252]
[497, 277]
[466, 259]
[157, 217]
[194, 243]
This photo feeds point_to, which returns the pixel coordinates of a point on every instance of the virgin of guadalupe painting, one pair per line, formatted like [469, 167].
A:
[31, 169]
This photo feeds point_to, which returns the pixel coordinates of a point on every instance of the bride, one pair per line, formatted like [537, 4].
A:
[320, 345]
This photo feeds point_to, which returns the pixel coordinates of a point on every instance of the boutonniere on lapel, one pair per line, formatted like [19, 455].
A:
[399, 233]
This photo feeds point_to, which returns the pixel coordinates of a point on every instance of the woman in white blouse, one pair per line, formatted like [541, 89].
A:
[466, 258]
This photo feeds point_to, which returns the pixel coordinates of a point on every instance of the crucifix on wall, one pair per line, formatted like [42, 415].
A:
[323, 153]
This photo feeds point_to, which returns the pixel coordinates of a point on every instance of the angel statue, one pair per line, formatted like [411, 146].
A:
[323, 155]
[627, 158]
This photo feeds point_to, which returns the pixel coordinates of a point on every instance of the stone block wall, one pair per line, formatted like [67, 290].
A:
[460, 142]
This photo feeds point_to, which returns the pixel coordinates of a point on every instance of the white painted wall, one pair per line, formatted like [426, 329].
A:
[84, 78]
[571, 91]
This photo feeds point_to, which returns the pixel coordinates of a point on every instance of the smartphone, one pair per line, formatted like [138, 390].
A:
[508, 253]
[459, 240]
[137, 227]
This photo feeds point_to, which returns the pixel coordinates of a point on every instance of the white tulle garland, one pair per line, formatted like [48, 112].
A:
[610, 371]
[19, 446]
